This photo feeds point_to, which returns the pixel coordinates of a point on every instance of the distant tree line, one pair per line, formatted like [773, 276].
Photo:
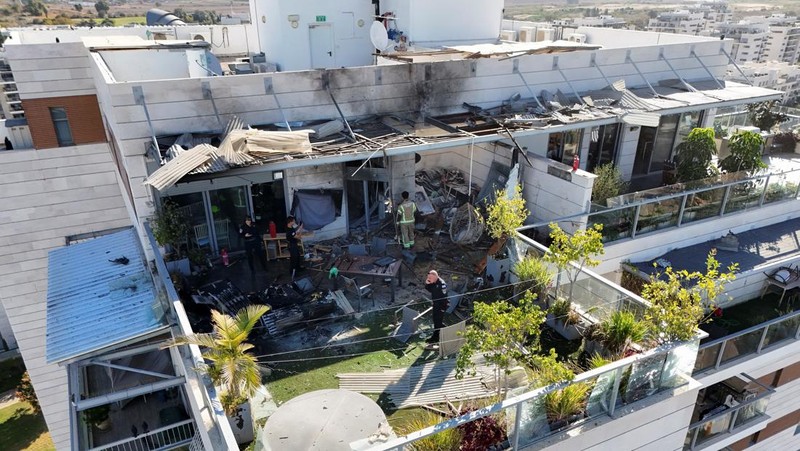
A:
[198, 16]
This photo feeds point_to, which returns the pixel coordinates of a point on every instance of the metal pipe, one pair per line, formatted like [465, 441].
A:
[628, 59]
[83, 404]
[692, 52]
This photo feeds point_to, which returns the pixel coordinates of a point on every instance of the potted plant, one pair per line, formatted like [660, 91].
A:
[745, 153]
[571, 253]
[171, 230]
[562, 317]
[694, 155]
[534, 275]
[765, 115]
[225, 348]
[614, 336]
[98, 417]
[565, 406]
[609, 183]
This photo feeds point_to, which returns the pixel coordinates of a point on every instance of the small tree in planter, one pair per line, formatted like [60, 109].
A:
[506, 214]
[745, 147]
[765, 115]
[578, 248]
[678, 302]
[502, 333]
[609, 183]
[231, 366]
[170, 229]
[695, 154]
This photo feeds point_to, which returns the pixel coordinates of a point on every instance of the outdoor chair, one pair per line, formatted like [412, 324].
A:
[360, 291]
[201, 235]
[223, 237]
[377, 247]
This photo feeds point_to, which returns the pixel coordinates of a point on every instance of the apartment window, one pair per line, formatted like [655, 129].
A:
[797, 430]
[61, 125]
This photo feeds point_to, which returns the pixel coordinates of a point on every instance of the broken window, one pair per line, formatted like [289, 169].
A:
[563, 146]
[316, 208]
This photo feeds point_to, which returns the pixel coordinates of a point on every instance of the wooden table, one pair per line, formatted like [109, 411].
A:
[353, 265]
[282, 246]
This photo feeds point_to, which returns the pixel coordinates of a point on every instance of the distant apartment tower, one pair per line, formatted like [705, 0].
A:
[750, 39]
[679, 22]
[782, 44]
[697, 20]
[780, 76]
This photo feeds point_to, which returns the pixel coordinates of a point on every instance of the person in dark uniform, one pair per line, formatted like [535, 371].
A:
[252, 243]
[438, 289]
[293, 242]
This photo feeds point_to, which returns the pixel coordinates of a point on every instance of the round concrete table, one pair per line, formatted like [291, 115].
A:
[326, 420]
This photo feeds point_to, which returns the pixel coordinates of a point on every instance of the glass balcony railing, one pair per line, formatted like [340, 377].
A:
[624, 382]
[748, 342]
[639, 213]
[604, 390]
[729, 418]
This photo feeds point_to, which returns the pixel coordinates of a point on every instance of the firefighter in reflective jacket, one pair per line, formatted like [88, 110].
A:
[405, 219]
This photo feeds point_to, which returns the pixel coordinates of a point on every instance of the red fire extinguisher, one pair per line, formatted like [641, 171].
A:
[224, 255]
[273, 230]
[576, 162]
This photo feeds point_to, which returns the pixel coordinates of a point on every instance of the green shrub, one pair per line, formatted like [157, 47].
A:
[564, 403]
[446, 440]
[535, 274]
[608, 184]
[620, 330]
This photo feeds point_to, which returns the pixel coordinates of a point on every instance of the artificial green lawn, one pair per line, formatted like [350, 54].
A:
[11, 371]
[295, 378]
[21, 429]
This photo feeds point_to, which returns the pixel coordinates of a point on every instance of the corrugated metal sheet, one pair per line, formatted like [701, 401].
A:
[92, 302]
[175, 169]
[642, 119]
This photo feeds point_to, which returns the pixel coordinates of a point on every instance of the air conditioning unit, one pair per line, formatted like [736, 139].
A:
[527, 34]
[577, 37]
[545, 34]
[508, 35]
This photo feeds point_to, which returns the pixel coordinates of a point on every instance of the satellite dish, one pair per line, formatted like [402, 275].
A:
[378, 35]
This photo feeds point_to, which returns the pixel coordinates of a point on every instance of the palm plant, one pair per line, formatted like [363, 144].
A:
[231, 366]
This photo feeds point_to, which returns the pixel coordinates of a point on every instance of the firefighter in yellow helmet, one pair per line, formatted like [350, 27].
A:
[405, 219]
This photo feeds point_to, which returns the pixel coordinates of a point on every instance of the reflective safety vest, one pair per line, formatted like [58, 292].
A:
[407, 210]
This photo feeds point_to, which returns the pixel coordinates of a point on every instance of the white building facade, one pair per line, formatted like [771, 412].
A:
[77, 181]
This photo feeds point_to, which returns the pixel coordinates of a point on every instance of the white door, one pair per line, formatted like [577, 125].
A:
[321, 40]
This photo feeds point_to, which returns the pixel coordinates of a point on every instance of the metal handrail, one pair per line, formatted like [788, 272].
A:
[658, 199]
[749, 330]
[722, 341]
[694, 428]
[616, 367]
[187, 425]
